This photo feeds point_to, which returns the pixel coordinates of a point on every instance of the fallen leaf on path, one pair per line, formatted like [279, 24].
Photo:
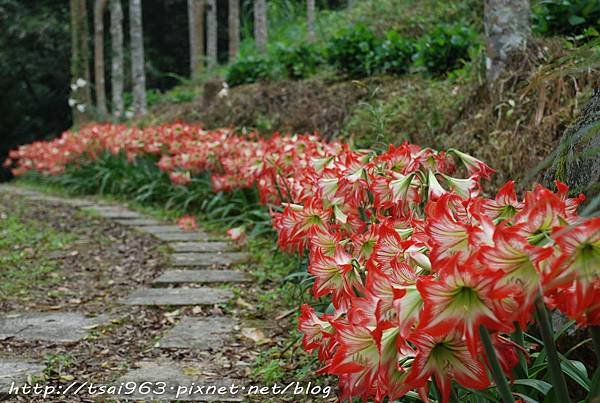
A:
[256, 335]
[243, 304]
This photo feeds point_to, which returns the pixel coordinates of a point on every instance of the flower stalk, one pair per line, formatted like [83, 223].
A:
[519, 338]
[495, 368]
[558, 380]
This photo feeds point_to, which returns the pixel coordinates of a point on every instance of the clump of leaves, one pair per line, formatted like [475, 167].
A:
[300, 61]
[394, 55]
[250, 69]
[353, 51]
[566, 17]
[445, 48]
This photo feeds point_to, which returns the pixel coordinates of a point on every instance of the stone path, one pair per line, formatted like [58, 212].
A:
[204, 257]
[62, 327]
[201, 277]
[183, 380]
[17, 371]
[178, 296]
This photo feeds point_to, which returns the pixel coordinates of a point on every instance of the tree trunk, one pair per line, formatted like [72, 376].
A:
[117, 73]
[350, 3]
[85, 47]
[260, 25]
[99, 7]
[507, 28]
[196, 28]
[80, 100]
[310, 19]
[234, 29]
[211, 33]
[138, 73]
[577, 160]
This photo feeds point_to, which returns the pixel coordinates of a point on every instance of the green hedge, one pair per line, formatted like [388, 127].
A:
[357, 52]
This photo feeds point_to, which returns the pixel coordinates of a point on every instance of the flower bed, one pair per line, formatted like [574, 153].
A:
[427, 279]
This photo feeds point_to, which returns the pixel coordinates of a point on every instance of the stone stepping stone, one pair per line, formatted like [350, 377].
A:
[163, 228]
[114, 212]
[178, 296]
[169, 232]
[179, 236]
[74, 202]
[201, 247]
[17, 371]
[176, 376]
[81, 203]
[46, 199]
[199, 333]
[138, 222]
[207, 259]
[59, 327]
[201, 277]
[18, 191]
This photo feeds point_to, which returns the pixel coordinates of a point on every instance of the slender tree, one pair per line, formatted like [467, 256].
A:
[196, 31]
[116, 43]
[85, 48]
[138, 73]
[211, 32]
[260, 25]
[80, 100]
[350, 3]
[99, 7]
[508, 29]
[234, 29]
[310, 19]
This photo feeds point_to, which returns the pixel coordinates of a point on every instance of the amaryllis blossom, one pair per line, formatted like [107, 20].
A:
[237, 234]
[575, 276]
[446, 358]
[463, 300]
[520, 263]
[407, 254]
[505, 205]
[187, 223]
[473, 165]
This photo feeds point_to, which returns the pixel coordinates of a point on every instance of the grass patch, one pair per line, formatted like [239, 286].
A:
[25, 248]
[286, 284]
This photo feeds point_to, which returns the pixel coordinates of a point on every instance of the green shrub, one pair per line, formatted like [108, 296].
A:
[250, 69]
[394, 55]
[566, 17]
[444, 49]
[352, 51]
[300, 61]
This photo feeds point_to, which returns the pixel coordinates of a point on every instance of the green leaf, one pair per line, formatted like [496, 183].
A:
[543, 387]
[576, 20]
[576, 371]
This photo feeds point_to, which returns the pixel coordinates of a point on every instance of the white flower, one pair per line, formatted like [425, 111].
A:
[74, 87]
[81, 108]
[129, 114]
[81, 82]
[72, 102]
[224, 91]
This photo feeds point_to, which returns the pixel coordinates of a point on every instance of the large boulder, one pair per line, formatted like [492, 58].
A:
[577, 158]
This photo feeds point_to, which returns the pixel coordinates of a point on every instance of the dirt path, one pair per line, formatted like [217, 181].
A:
[131, 301]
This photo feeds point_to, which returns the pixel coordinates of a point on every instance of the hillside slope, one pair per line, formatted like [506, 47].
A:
[513, 130]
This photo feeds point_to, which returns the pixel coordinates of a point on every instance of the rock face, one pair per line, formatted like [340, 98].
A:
[577, 160]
